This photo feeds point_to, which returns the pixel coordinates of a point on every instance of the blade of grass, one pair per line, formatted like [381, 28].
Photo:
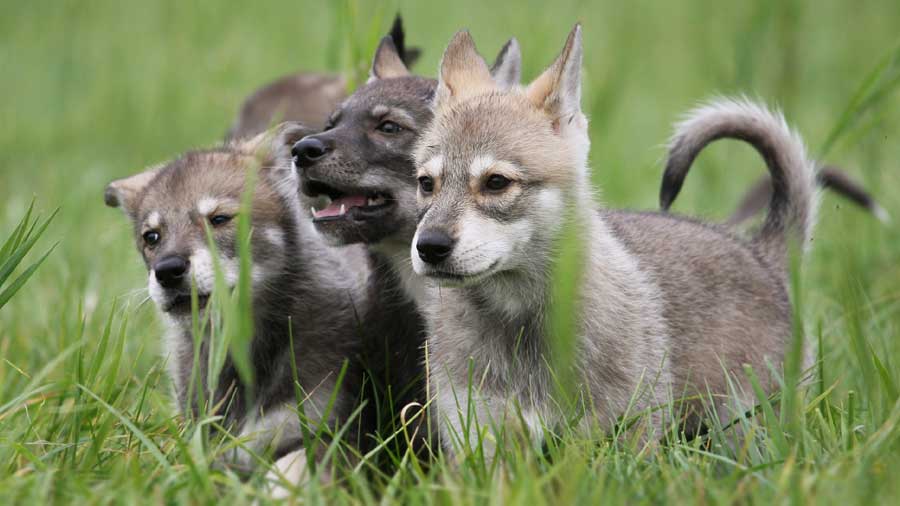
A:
[138, 433]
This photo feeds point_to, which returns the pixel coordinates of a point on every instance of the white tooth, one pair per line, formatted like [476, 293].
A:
[343, 210]
[370, 201]
[312, 209]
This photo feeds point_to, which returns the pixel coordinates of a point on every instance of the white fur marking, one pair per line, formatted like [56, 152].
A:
[157, 294]
[433, 166]
[274, 236]
[207, 205]
[154, 220]
[480, 164]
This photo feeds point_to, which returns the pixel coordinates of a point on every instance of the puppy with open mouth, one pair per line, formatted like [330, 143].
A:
[357, 174]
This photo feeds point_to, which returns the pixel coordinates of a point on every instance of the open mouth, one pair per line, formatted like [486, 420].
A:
[357, 204]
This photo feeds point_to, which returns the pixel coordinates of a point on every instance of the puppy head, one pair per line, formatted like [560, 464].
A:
[495, 165]
[174, 205]
[358, 174]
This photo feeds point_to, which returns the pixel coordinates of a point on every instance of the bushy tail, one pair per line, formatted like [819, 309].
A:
[828, 177]
[793, 204]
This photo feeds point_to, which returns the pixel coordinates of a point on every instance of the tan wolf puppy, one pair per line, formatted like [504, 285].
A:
[666, 304]
[330, 296]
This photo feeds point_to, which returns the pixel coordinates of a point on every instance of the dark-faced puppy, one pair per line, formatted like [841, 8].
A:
[358, 173]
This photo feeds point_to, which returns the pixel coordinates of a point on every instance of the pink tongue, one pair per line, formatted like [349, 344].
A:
[334, 209]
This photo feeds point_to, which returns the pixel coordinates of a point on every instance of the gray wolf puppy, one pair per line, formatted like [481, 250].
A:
[307, 97]
[325, 292]
[667, 306]
[359, 171]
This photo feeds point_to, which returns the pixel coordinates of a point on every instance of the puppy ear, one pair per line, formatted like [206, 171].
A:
[125, 193]
[463, 71]
[387, 63]
[289, 133]
[558, 90]
[409, 55]
[507, 68]
[273, 147]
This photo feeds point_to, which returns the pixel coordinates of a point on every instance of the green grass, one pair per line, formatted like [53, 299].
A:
[94, 91]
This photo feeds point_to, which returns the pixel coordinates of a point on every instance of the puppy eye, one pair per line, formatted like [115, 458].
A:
[151, 237]
[389, 127]
[496, 182]
[219, 219]
[426, 184]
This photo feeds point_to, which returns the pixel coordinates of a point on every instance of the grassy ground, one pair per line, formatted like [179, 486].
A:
[97, 90]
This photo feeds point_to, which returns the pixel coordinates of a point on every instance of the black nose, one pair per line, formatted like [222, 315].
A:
[308, 150]
[434, 246]
[170, 271]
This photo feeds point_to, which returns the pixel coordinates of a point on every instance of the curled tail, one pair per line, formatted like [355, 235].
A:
[792, 207]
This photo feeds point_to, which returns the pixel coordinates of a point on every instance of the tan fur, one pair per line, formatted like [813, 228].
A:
[387, 63]
[465, 73]
[651, 326]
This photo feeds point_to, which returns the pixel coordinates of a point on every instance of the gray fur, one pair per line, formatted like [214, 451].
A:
[363, 160]
[828, 177]
[333, 297]
[668, 306]
[507, 68]
[306, 97]
[794, 198]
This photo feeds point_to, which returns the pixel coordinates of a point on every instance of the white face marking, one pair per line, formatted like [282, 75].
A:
[204, 274]
[154, 220]
[484, 242]
[274, 236]
[207, 205]
[432, 168]
[484, 245]
[480, 164]
[157, 294]
[379, 111]
[403, 116]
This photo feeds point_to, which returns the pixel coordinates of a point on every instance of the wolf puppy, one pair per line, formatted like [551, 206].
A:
[296, 279]
[358, 174]
[667, 306]
[307, 97]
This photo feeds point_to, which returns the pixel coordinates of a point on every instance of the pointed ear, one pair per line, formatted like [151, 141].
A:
[507, 68]
[558, 89]
[125, 193]
[408, 55]
[387, 62]
[275, 144]
[463, 71]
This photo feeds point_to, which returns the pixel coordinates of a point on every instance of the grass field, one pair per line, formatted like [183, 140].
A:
[97, 90]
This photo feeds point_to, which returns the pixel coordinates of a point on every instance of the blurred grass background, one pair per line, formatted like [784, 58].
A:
[97, 90]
